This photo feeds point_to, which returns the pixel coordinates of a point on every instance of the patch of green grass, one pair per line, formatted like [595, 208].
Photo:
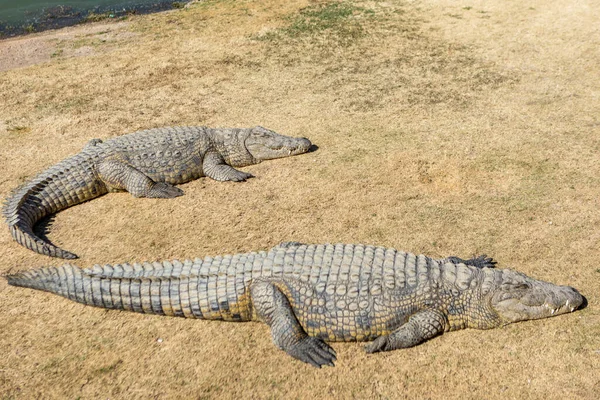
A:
[339, 20]
[95, 17]
[319, 18]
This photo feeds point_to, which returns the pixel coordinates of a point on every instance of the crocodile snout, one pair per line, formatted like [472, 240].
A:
[303, 145]
[568, 299]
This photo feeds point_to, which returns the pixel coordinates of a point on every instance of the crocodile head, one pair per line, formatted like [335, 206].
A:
[264, 144]
[519, 298]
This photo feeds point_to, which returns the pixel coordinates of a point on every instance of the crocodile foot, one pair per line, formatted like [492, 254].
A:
[313, 351]
[240, 176]
[482, 261]
[377, 345]
[164, 191]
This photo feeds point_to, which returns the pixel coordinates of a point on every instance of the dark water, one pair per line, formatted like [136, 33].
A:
[23, 16]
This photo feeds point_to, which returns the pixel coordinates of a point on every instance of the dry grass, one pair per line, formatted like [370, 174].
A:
[443, 128]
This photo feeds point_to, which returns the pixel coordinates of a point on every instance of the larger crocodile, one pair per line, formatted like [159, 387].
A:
[146, 164]
[310, 294]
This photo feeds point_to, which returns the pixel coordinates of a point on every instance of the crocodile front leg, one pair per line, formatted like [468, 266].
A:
[273, 308]
[118, 175]
[419, 328]
[214, 167]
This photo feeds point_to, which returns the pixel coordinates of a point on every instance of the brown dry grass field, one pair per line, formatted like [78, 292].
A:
[443, 127]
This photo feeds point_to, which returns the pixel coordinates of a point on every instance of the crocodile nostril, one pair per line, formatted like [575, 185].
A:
[305, 143]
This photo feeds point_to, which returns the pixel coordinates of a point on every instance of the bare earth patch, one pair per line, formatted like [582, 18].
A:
[34, 49]
[444, 128]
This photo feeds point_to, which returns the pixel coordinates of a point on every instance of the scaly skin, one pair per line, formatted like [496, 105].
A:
[310, 294]
[146, 164]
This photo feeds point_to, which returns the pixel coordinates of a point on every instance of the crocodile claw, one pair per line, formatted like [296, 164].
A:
[483, 261]
[377, 345]
[165, 191]
[313, 351]
[241, 176]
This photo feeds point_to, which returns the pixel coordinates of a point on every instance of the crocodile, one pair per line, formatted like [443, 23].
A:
[313, 294]
[146, 164]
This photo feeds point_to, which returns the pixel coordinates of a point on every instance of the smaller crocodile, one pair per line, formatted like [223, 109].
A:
[310, 294]
[144, 163]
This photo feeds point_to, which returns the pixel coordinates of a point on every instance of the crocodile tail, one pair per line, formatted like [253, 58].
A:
[70, 182]
[40, 279]
[24, 235]
[161, 296]
[68, 281]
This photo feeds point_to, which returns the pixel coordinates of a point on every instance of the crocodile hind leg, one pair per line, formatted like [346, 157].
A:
[482, 261]
[120, 176]
[273, 308]
[419, 328]
[214, 167]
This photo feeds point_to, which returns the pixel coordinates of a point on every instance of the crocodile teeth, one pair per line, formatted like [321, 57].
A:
[289, 152]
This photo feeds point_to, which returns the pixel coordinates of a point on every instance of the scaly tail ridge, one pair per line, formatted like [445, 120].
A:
[163, 296]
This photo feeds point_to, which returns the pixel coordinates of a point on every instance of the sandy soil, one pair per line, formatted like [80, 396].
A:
[443, 128]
